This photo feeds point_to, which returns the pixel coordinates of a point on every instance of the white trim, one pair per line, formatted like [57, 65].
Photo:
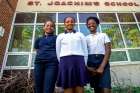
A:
[16, 67]
[77, 16]
[121, 30]
[128, 56]
[124, 63]
[109, 23]
[56, 29]
[100, 30]
[33, 39]
[18, 53]
[118, 49]
[119, 63]
[23, 24]
[63, 23]
[125, 48]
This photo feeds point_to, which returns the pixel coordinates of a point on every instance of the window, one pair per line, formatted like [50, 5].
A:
[107, 17]
[21, 38]
[42, 17]
[114, 33]
[131, 34]
[118, 56]
[84, 16]
[17, 60]
[123, 30]
[25, 18]
[39, 31]
[84, 29]
[134, 54]
[62, 16]
[138, 16]
[126, 17]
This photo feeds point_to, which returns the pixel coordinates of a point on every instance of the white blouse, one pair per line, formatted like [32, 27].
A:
[71, 44]
[96, 43]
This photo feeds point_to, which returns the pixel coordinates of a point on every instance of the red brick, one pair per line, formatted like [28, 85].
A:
[6, 17]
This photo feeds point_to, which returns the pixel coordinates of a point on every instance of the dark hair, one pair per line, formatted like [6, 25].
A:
[50, 21]
[93, 18]
[70, 17]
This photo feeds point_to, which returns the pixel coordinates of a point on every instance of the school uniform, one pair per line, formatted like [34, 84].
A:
[46, 64]
[72, 54]
[96, 51]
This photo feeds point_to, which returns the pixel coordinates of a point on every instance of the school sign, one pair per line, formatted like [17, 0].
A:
[78, 5]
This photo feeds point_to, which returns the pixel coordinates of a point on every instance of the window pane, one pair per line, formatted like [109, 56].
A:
[61, 28]
[83, 16]
[114, 34]
[84, 29]
[132, 35]
[25, 18]
[134, 54]
[61, 16]
[118, 56]
[126, 17]
[138, 16]
[107, 17]
[21, 38]
[17, 60]
[39, 31]
[42, 17]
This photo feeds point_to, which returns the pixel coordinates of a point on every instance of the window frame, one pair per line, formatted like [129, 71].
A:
[29, 67]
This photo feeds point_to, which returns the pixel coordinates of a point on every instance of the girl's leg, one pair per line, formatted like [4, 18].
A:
[79, 89]
[51, 70]
[68, 90]
[97, 90]
[106, 90]
[38, 78]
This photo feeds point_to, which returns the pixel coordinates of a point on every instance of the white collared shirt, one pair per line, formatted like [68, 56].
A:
[71, 44]
[96, 43]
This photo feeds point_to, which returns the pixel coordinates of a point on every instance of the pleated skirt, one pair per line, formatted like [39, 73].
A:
[72, 72]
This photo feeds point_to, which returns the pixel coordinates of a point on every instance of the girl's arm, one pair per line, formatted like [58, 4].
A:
[58, 47]
[84, 45]
[36, 44]
[105, 61]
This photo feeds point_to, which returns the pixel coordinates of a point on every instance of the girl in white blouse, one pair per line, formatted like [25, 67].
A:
[99, 51]
[71, 48]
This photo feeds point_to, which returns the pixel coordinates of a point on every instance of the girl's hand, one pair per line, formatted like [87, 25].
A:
[100, 70]
[92, 71]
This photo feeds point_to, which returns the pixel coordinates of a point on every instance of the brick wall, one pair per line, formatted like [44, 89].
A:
[6, 17]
